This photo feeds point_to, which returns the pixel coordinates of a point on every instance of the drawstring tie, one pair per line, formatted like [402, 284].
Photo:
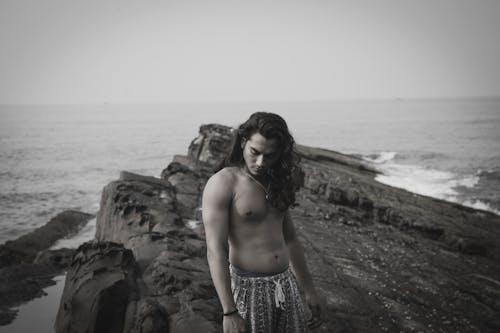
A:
[279, 295]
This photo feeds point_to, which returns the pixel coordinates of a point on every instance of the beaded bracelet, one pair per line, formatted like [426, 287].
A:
[231, 312]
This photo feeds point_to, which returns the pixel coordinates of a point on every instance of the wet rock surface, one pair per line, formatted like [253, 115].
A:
[27, 266]
[26, 247]
[385, 259]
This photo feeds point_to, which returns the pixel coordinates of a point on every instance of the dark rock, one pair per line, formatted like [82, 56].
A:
[151, 317]
[335, 195]
[205, 154]
[60, 258]
[22, 282]
[25, 248]
[188, 186]
[134, 205]
[427, 229]
[389, 215]
[366, 204]
[317, 186]
[100, 288]
[145, 214]
[211, 145]
[7, 316]
[324, 155]
[27, 266]
[176, 167]
[188, 321]
[147, 246]
[468, 244]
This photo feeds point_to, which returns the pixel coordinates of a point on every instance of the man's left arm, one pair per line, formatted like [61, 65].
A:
[301, 272]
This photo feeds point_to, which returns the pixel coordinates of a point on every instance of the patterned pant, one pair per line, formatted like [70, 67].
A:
[268, 303]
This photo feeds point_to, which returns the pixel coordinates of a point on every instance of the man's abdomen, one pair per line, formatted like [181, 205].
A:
[260, 258]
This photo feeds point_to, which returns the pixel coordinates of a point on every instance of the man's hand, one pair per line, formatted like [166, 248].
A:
[317, 307]
[234, 324]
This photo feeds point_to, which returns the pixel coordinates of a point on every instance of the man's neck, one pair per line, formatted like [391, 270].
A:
[263, 179]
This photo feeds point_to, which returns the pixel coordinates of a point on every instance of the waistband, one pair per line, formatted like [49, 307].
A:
[245, 278]
[243, 273]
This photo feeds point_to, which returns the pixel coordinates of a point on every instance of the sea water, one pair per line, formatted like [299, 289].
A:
[58, 157]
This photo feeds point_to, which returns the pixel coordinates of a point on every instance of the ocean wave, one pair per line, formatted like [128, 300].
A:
[423, 156]
[478, 204]
[491, 174]
[432, 156]
[27, 196]
[379, 158]
[431, 182]
[407, 156]
[434, 183]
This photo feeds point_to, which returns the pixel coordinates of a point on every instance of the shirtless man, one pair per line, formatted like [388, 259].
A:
[250, 236]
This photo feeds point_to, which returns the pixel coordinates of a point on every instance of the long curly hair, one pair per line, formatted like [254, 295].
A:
[282, 183]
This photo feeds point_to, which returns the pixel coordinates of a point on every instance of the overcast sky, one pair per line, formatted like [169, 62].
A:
[96, 51]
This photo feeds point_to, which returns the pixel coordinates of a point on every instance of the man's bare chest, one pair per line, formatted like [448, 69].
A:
[250, 204]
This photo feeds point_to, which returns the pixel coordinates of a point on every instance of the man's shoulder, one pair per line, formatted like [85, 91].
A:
[226, 176]
[221, 185]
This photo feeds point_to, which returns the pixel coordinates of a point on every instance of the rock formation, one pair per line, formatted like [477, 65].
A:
[27, 266]
[385, 259]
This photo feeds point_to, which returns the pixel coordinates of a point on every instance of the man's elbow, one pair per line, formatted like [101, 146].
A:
[216, 253]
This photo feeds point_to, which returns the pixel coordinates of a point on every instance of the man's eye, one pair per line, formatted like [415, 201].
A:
[271, 156]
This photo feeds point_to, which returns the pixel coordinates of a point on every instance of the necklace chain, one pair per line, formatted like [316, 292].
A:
[266, 191]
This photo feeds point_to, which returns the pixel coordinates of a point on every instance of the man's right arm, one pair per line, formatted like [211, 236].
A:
[217, 197]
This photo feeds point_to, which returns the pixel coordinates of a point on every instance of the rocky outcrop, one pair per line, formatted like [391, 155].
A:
[27, 266]
[385, 259]
[26, 247]
[101, 286]
[147, 220]
[390, 260]
[211, 145]
[134, 205]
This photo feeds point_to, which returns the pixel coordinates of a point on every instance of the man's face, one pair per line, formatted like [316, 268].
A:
[259, 153]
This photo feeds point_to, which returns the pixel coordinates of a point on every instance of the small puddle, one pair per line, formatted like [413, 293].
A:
[38, 315]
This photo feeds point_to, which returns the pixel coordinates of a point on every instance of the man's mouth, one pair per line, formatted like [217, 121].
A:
[259, 170]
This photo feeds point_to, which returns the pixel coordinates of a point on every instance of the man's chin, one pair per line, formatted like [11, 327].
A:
[259, 172]
[254, 172]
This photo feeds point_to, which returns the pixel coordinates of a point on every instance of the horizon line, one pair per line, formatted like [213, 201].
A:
[318, 100]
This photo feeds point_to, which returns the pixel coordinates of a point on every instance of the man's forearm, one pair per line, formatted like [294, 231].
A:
[219, 270]
[299, 266]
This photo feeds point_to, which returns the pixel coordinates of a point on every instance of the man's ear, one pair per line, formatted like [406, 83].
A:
[243, 141]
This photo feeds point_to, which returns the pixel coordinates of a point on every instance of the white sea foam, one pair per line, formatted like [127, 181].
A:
[380, 158]
[419, 180]
[477, 204]
[430, 182]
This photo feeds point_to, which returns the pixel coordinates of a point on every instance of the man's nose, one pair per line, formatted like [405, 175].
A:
[260, 160]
